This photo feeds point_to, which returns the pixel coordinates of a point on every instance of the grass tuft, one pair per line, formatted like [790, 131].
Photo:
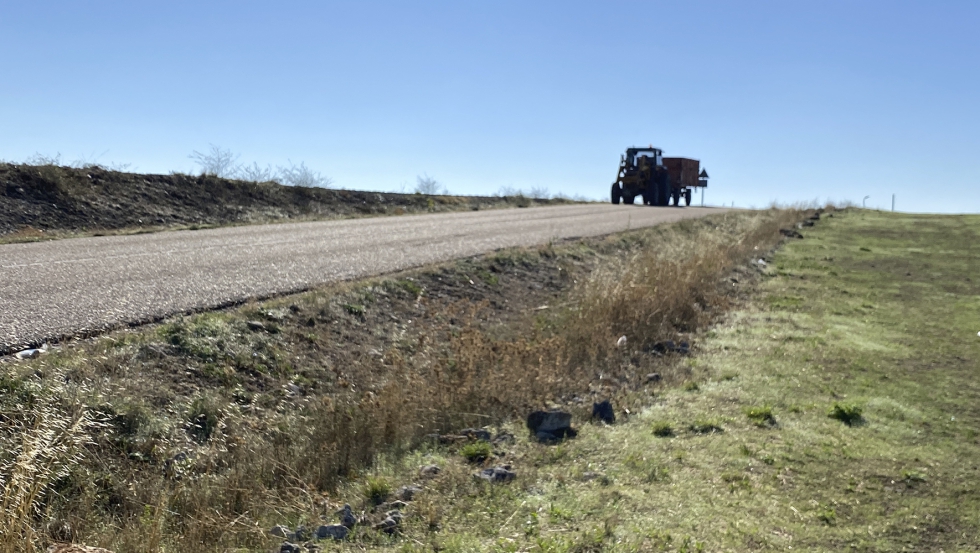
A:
[847, 413]
[377, 489]
[663, 430]
[761, 416]
[476, 452]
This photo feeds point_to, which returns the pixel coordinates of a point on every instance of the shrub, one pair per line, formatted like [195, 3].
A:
[761, 416]
[846, 413]
[476, 452]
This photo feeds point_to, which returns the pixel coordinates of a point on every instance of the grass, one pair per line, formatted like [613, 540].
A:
[250, 428]
[902, 480]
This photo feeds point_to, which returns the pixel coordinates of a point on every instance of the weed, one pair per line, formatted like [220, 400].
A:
[377, 489]
[846, 413]
[476, 452]
[761, 416]
[911, 476]
[663, 430]
[828, 516]
[706, 426]
[354, 309]
[203, 418]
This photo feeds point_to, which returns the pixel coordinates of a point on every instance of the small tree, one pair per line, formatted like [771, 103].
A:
[424, 184]
[216, 162]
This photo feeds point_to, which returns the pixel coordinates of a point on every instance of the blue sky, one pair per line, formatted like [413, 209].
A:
[782, 101]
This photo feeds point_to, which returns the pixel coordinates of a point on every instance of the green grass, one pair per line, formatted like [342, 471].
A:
[476, 452]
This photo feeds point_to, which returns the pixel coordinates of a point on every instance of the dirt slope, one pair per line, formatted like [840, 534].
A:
[35, 200]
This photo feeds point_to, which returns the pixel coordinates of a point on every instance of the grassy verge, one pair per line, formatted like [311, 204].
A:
[207, 430]
[836, 411]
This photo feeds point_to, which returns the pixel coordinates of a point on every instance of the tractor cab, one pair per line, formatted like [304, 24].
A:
[642, 158]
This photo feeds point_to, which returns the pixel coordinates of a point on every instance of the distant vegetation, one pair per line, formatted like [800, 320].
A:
[219, 162]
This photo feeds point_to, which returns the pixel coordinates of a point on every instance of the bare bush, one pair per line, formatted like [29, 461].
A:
[256, 173]
[539, 193]
[41, 159]
[216, 162]
[509, 191]
[301, 175]
[424, 184]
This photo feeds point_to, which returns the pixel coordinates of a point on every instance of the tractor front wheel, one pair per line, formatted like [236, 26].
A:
[616, 193]
[687, 197]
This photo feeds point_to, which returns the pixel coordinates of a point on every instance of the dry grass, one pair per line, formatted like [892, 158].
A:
[249, 471]
[42, 440]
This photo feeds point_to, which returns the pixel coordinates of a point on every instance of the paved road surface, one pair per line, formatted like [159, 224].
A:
[50, 290]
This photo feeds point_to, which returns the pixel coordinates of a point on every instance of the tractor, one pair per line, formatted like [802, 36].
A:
[657, 179]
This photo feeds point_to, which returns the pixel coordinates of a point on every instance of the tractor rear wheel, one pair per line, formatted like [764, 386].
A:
[616, 193]
[676, 195]
[664, 199]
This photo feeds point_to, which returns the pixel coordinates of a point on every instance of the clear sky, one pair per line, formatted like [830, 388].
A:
[782, 101]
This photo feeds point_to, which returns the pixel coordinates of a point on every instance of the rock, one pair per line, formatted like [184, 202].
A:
[429, 471]
[332, 531]
[288, 547]
[255, 326]
[280, 531]
[302, 533]
[604, 412]
[761, 262]
[807, 223]
[790, 233]
[669, 346]
[395, 514]
[550, 425]
[815, 216]
[475, 434]
[396, 505]
[653, 377]
[389, 525]
[504, 438]
[347, 517]
[621, 342]
[497, 474]
[407, 493]
[29, 354]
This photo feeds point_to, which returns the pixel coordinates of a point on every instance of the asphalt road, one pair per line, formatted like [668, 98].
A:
[51, 290]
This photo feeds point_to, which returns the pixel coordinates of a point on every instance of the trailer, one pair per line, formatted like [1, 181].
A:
[659, 180]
